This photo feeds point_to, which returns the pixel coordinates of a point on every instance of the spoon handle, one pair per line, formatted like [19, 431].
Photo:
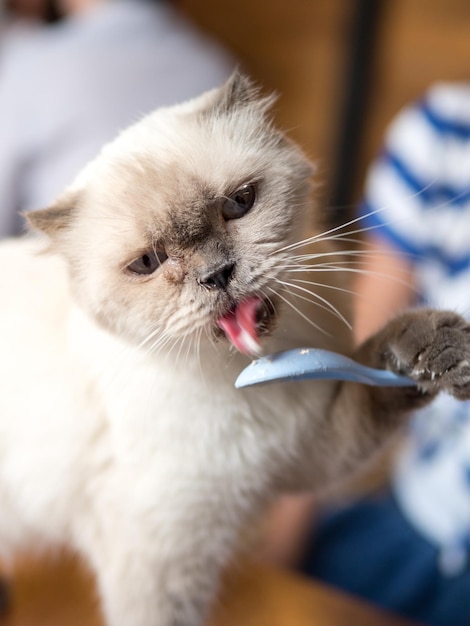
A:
[315, 364]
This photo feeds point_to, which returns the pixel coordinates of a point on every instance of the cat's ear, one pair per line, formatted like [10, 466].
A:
[239, 92]
[56, 219]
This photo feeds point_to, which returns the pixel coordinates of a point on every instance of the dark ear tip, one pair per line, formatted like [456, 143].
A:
[31, 218]
[241, 88]
[238, 92]
[55, 218]
[241, 80]
[42, 219]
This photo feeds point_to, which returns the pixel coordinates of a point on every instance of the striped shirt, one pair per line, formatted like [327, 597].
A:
[418, 199]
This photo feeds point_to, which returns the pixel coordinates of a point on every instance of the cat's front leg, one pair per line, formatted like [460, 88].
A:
[433, 348]
[167, 577]
[149, 593]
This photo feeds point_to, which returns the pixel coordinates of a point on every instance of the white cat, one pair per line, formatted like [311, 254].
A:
[122, 333]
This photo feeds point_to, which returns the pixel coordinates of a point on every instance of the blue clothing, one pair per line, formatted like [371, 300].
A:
[370, 550]
[418, 199]
[409, 551]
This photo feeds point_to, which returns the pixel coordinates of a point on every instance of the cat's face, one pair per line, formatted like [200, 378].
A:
[173, 230]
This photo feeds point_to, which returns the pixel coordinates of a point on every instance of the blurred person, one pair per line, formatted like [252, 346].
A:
[69, 87]
[27, 10]
[407, 548]
[19, 17]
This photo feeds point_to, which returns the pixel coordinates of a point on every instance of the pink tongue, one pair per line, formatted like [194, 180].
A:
[240, 326]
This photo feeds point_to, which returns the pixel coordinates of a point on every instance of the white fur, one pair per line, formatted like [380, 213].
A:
[146, 464]
[147, 461]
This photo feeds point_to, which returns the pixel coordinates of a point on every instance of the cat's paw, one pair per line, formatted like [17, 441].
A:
[433, 348]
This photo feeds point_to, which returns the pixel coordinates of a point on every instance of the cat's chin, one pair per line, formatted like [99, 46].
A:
[246, 323]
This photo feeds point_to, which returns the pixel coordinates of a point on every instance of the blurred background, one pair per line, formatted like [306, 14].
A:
[343, 69]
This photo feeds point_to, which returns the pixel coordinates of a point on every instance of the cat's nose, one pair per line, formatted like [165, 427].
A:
[218, 278]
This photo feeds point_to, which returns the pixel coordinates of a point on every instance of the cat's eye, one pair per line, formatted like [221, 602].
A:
[239, 203]
[148, 262]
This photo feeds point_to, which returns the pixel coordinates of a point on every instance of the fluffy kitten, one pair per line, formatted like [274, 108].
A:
[121, 432]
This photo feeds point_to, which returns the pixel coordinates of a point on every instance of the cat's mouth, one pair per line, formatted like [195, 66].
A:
[246, 323]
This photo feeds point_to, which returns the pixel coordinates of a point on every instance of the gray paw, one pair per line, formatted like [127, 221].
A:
[433, 348]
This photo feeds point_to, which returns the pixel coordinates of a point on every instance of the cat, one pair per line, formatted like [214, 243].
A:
[173, 258]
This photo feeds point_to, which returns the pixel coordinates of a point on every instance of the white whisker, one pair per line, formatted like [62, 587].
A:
[307, 319]
[327, 305]
[354, 270]
[324, 236]
[324, 285]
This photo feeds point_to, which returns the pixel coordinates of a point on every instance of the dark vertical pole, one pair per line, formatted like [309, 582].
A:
[357, 84]
[51, 11]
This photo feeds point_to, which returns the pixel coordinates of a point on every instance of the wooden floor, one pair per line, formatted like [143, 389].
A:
[59, 592]
[53, 591]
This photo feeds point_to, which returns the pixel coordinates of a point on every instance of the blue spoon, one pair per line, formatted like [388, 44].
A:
[314, 363]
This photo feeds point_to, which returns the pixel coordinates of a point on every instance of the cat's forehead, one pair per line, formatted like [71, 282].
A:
[217, 138]
[197, 139]
[190, 170]
[149, 182]
[178, 164]
[179, 160]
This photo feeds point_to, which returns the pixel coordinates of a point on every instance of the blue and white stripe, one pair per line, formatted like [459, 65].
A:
[418, 198]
